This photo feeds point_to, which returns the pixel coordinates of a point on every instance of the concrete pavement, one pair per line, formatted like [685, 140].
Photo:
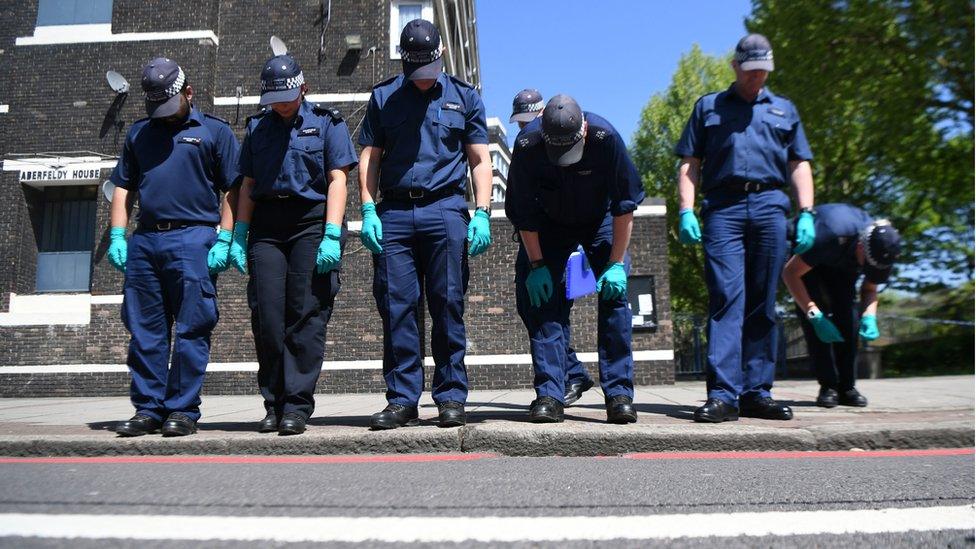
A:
[903, 413]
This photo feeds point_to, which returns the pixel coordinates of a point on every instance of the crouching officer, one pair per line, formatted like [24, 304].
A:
[823, 281]
[526, 108]
[176, 163]
[421, 131]
[295, 159]
[571, 183]
[741, 146]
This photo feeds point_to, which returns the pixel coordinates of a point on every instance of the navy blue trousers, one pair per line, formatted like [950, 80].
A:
[548, 325]
[833, 289]
[744, 237]
[169, 297]
[424, 245]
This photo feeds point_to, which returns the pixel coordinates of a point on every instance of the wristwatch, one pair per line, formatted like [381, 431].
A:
[486, 209]
[539, 263]
[813, 312]
[808, 210]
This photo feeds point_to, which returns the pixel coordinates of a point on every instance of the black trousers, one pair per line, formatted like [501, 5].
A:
[833, 291]
[290, 303]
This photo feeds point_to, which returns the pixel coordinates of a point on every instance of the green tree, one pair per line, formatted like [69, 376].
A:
[885, 90]
[661, 124]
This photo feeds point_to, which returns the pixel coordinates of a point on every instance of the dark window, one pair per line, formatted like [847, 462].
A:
[73, 12]
[67, 238]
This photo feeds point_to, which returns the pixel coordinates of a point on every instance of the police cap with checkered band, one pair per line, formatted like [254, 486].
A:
[281, 80]
[162, 82]
[420, 50]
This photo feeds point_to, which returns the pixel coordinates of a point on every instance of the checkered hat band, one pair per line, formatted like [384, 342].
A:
[866, 241]
[420, 56]
[162, 95]
[282, 84]
[563, 140]
[528, 107]
[754, 55]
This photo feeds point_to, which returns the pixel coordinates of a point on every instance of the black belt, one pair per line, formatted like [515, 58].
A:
[416, 195]
[277, 197]
[160, 226]
[751, 186]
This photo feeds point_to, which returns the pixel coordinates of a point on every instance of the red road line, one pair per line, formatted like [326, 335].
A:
[803, 455]
[386, 458]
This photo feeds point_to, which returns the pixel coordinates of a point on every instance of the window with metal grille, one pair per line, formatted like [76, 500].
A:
[66, 238]
[73, 12]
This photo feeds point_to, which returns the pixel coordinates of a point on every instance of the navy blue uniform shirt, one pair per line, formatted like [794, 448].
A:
[179, 171]
[423, 134]
[739, 141]
[541, 193]
[295, 159]
[838, 227]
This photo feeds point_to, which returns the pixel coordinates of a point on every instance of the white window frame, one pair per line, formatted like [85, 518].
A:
[426, 11]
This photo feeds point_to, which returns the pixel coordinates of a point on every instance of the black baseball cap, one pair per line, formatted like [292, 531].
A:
[420, 50]
[882, 248]
[281, 80]
[754, 52]
[526, 106]
[162, 82]
[562, 130]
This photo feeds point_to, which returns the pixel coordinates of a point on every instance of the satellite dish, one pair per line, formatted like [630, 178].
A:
[117, 82]
[108, 190]
[278, 46]
[111, 119]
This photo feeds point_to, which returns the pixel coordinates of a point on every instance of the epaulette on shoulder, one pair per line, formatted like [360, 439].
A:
[528, 139]
[259, 114]
[384, 82]
[217, 118]
[319, 108]
[460, 82]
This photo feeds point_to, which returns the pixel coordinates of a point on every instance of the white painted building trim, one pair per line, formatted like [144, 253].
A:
[107, 299]
[92, 34]
[470, 360]
[313, 97]
[4, 109]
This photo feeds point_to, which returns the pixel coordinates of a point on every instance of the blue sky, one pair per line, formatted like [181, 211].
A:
[611, 55]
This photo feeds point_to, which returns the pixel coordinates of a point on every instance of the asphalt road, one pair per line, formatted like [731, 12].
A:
[500, 501]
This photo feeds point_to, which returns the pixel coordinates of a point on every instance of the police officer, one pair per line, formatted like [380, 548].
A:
[421, 131]
[176, 163]
[572, 183]
[822, 282]
[294, 159]
[527, 107]
[741, 146]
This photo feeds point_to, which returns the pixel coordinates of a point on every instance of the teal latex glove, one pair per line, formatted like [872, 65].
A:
[479, 233]
[805, 233]
[612, 284]
[825, 329]
[689, 232]
[238, 246]
[118, 249]
[218, 259]
[330, 253]
[539, 286]
[372, 233]
[869, 328]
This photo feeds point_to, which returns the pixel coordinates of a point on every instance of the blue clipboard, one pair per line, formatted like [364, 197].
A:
[580, 280]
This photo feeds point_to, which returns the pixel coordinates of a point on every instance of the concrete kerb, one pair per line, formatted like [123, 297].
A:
[521, 439]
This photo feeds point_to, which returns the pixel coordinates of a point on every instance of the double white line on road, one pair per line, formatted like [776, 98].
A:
[487, 529]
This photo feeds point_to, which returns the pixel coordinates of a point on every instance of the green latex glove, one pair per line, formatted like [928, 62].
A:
[825, 329]
[330, 253]
[372, 233]
[118, 248]
[869, 328]
[689, 232]
[238, 246]
[539, 286]
[805, 233]
[479, 233]
[612, 284]
[218, 259]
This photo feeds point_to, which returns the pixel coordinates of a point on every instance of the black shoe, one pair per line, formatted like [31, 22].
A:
[451, 414]
[827, 398]
[575, 390]
[851, 397]
[137, 426]
[178, 424]
[393, 416]
[716, 410]
[292, 424]
[620, 409]
[269, 424]
[546, 410]
[765, 408]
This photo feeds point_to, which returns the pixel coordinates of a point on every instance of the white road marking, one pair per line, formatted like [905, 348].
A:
[487, 529]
